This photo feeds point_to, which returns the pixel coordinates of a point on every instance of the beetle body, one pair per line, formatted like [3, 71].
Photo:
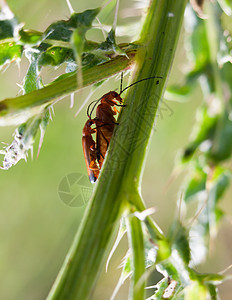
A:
[105, 122]
[89, 150]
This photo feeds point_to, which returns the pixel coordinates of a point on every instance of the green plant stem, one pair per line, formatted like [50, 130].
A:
[121, 173]
[135, 237]
[213, 41]
[18, 110]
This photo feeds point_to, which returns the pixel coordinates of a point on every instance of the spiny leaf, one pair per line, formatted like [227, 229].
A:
[32, 80]
[9, 26]
[9, 52]
[204, 131]
[171, 274]
[221, 148]
[205, 227]
[179, 240]
[213, 291]
[62, 30]
[160, 286]
[197, 40]
[110, 44]
[121, 232]
[30, 37]
[208, 278]
[217, 143]
[8, 23]
[219, 183]
[55, 56]
[126, 272]
[196, 182]
[23, 142]
[166, 289]
[164, 250]
[43, 126]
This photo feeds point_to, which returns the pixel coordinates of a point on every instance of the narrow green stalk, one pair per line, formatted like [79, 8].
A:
[155, 59]
[121, 173]
[154, 230]
[31, 103]
[213, 41]
[135, 237]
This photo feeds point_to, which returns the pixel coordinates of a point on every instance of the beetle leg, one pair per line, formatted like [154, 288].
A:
[92, 148]
[121, 105]
[92, 167]
[107, 142]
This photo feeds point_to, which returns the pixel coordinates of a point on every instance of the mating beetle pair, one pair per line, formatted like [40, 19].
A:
[94, 152]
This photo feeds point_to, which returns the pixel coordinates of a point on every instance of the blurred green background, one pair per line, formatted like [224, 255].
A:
[37, 228]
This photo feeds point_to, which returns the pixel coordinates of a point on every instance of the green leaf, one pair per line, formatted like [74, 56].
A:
[205, 227]
[196, 182]
[177, 91]
[150, 251]
[126, 272]
[199, 240]
[43, 126]
[6, 28]
[208, 278]
[219, 184]
[172, 276]
[121, 232]
[213, 291]
[30, 37]
[164, 250]
[78, 40]
[161, 286]
[8, 23]
[179, 240]
[84, 19]
[60, 33]
[221, 148]
[32, 79]
[63, 30]
[9, 50]
[226, 74]
[55, 56]
[110, 44]
[215, 131]
[201, 52]
[204, 131]
[12, 110]
[166, 289]
[197, 41]
[24, 138]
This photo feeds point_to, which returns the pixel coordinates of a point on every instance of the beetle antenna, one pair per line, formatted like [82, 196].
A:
[88, 108]
[89, 113]
[121, 91]
[121, 83]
